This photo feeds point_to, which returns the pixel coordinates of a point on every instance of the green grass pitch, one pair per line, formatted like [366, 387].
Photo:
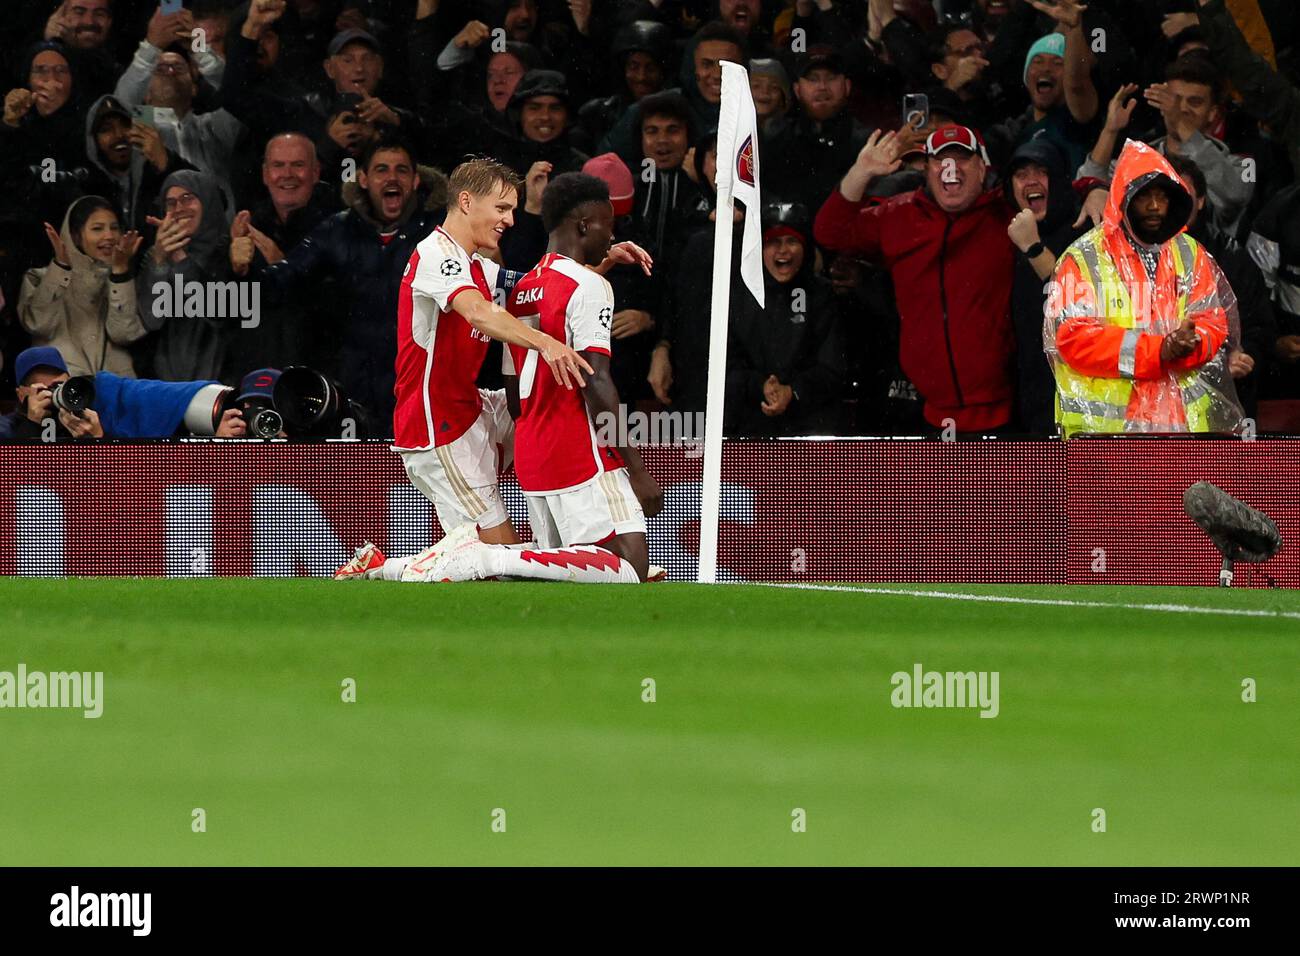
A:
[226, 695]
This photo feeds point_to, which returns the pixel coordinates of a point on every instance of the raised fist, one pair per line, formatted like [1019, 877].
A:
[18, 103]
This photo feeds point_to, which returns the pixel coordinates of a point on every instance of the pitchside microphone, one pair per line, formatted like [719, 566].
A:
[1240, 532]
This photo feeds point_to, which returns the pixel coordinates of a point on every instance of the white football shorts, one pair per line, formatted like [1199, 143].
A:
[590, 514]
[461, 478]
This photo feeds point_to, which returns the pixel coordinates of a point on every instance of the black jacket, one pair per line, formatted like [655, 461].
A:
[348, 245]
[803, 161]
[684, 319]
[1259, 323]
[25, 150]
[802, 347]
[665, 211]
[304, 330]
[16, 426]
[1035, 385]
[520, 153]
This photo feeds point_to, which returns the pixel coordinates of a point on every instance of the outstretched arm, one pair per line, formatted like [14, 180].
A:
[497, 323]
[1080, 94]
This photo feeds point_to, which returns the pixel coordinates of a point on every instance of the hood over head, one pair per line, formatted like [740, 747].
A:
[89, 275]
[787, 218]
[77, 258]
[104, 106]
[1062, 206]
[1138, 167]
[35, 50]
[780, 218]
[209, 243]
[644, 36]
[540, 83]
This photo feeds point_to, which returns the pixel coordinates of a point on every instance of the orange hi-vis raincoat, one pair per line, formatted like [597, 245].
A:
[1105, 319]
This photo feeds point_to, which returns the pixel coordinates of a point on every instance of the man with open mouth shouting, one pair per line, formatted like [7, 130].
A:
[1063, 102]
[946, 248]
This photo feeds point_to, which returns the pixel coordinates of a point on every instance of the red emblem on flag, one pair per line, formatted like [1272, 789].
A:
[745, 162]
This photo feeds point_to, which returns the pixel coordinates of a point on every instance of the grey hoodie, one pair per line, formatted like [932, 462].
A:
[80, 311]
[204, 140]
[128, 184]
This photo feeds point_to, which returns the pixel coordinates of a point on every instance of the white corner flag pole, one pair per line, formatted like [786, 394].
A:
[737, 176]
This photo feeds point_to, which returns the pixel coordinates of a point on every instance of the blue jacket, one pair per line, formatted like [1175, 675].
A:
[127, 408]
[141, 407]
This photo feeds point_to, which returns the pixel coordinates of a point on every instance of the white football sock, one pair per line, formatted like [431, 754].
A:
[393, 568]
[585, 563]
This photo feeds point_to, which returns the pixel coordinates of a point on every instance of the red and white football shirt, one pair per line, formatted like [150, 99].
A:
[439, 353]
[555, 438]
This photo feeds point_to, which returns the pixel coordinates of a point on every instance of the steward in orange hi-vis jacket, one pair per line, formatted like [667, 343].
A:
[1139, 317]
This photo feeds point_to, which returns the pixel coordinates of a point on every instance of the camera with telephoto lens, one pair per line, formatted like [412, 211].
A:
[263, 421]
[74, 395]
[314, 406]
[211, 403]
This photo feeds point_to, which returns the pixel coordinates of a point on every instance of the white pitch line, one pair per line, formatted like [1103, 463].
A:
[1060, 602]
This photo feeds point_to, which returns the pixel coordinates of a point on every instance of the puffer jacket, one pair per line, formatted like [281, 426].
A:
[84, 312]
[350, 244]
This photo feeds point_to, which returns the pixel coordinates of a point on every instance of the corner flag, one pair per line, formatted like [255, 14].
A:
[738, 170]
[737, 179]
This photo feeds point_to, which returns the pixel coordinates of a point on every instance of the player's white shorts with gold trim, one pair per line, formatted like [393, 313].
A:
[588, 514]
[461, 478]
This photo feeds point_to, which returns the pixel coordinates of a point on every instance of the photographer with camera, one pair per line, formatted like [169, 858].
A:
[256, 405]
[83, 302]
[38, 372]
[54, 406]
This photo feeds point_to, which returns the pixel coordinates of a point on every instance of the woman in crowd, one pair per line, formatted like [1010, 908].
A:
[83, 302]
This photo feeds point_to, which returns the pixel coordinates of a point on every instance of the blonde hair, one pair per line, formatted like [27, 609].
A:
[480, 176]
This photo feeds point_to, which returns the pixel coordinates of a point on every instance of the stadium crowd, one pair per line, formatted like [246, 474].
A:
[197, 195]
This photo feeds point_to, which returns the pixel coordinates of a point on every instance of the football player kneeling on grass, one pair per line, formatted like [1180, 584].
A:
[587, 504]
[454, 437]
